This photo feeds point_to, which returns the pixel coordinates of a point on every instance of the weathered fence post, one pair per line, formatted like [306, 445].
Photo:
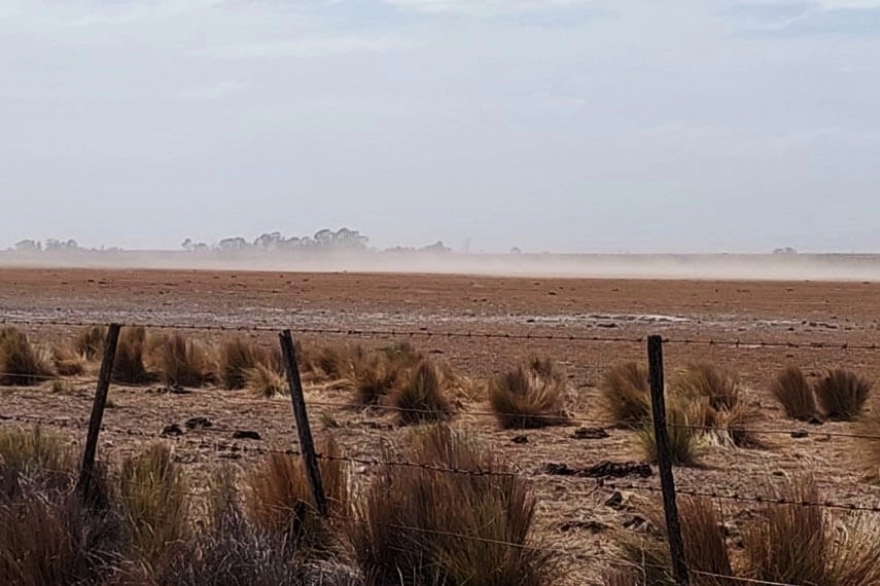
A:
[664, 460]
[303, 429]
[84, 484]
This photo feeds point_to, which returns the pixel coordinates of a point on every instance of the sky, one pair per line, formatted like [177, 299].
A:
[554, 125]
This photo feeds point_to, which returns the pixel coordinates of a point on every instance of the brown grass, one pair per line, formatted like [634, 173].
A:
[266, 382]
[237, 356]
[36, 457]
[703, 379]
[529, 397]
[20, 363]
[419, 526]
[128, 367]
[67, 361]
[423, 398]
[375, 378]
[683, 436]
[868, 454]
[794, 393]
[842, 394]
[626, 394]
[186, 362]
[153, 496]
[280, 500]
[89, 342]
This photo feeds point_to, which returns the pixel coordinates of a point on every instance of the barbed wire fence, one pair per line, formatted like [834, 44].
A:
[666, 489]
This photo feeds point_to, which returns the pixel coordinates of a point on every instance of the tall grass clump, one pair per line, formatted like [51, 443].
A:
[375, 378]
[89, 342]
[67, 361]
[185, 362]
[705, 547]
[280, 502]
[702, 379]
[267, 382]
[530, 396]
[842, 394]
[415, 526]
[240, 355]
[154, 500]
[20, 363]
[683, 436]
[423, 398]
[626, 394]
[794, 393]
[790, 542]
[36, 457]
[128, 366]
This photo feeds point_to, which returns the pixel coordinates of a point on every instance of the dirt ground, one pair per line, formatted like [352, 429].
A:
[842, 318]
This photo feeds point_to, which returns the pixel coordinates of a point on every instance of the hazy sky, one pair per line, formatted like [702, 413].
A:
[560, 125]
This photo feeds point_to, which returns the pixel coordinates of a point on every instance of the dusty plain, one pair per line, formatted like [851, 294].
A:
[816, 325]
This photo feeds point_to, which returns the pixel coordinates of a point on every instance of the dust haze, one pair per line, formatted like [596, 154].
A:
[768, 267]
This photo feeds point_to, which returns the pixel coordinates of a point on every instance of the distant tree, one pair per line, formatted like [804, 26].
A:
[269, 241]
[515, 250]
[786, 250]
[324, 238]
[28, 246]
[350, 239]
[187, 244]
[238, 243]
[53, 244]
[436, 247]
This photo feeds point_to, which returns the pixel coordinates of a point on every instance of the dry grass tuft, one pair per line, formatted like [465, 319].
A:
[265, 382]
[702, 379]
[412, 523]
[186, 362]
[332, 363]
[67, 361]
[375, 379]
[128, 367]
[20, 363]
[280, 501]
[153, 496]
[626, 394]
[530, 397]
[89, 343]
[868, 430]
[239, 355]
[794, 393]
[790, 544]
[37, 457]
[423, 398]
[842, 394]
[683, 436]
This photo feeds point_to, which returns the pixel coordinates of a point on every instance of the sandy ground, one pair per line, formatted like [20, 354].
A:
[572, 513]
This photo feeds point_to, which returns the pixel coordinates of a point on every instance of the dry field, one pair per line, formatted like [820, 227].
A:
[608, 318]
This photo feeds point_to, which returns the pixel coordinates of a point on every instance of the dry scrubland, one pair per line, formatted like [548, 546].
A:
[524, 436]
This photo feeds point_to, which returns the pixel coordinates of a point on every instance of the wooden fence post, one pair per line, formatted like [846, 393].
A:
[303, 429]
[84, 484]
[664, 460]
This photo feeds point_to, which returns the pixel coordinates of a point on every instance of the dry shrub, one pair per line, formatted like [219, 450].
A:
[626, 394]
[856, 551]
[403, 354]
[418, 526]
[51, 538]
[280, 501]
[89, 342]
[20, 363]
[153, 497]
[868, 430]
[705, 548]
[702, 379]
[529, 397]
[794, 393]
[35, 457]
[790, 544]
[333, 362]
[683, 436]
[186, 362]
[265, 382]
[423, 398]
[128, 366]
[67, 361]
[238, 356]
[842, 394]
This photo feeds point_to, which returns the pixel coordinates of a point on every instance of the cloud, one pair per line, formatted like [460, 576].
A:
[216, 91]
[485, 8]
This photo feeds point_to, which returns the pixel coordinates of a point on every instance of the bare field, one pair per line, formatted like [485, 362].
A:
[573, 515]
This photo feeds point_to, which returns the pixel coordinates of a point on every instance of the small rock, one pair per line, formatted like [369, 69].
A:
[250, 435]
[814, 420]
[172, 430]
[615, 501]
[799, 434]
[585, 433]
[591, 526]
[634, 523]
[198, 423]
[607, 326]
[521, 439]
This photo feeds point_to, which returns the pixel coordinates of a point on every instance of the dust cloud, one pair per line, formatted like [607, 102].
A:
[775, 267]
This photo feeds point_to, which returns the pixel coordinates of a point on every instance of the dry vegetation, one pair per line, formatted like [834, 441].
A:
[530, 396]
